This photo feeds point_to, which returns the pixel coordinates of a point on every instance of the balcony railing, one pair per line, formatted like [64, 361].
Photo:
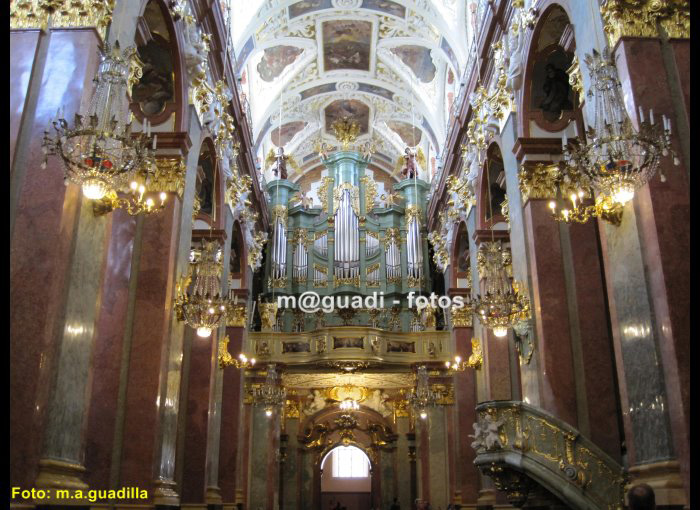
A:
[348, 345]
[520, 446]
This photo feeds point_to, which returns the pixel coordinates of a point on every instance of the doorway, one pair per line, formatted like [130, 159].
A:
[346, 482]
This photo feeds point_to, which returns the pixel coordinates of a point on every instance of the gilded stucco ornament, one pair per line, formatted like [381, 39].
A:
[62, 14]
[539, 181]
[646, 18]
[576, 79]
[462, 317]
[440, 255]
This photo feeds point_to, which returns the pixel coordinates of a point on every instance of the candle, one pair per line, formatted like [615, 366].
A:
[651, 116]
[641, 115]
[155, 141]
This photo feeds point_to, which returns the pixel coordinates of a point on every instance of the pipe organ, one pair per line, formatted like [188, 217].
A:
[348, 246]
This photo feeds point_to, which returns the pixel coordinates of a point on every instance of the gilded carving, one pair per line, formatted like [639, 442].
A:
[268, 315]
[645, 18]
[539, 181]
[237, 315]
[462, 317]
[576, 80]
[62, 13]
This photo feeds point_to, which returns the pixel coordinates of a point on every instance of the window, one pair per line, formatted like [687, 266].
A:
[350, 462]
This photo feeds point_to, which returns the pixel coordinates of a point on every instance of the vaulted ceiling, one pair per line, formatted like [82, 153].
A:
[393, 67]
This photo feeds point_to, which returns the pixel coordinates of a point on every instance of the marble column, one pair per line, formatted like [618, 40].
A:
[403, 468]
[437, 453]
[263, 486]
[466, 475]
[550, 312]
[662, 211]
[112, 344]
[149, 396]
[290, 474]
[156, 355]
[52, 229]
[199, 388]
[231, 406]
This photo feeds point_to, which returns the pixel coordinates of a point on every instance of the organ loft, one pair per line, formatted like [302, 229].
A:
[349, 254]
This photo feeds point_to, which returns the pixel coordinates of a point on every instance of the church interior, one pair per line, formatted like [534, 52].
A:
[398, 254]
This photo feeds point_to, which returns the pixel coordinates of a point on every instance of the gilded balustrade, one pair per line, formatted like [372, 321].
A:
[520, 446]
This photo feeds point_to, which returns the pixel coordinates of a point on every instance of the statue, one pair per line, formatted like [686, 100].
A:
[278, 163]
[409, 170]
[556, 88]
[392, 198]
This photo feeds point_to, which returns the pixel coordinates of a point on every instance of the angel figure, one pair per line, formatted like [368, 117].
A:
[406, 164]
[278, 163]
[301, 198]
[392, 198]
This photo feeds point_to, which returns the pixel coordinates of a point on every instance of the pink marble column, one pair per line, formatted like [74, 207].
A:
[663, 210]
[109, 344]
[231, 404]
[148, 358]
[200, 386]
[45, 224]
[465, 415]
[596, 344]
[550, 312]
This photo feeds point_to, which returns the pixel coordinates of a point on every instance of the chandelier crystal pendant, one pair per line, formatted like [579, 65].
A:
[200, 303]
[502, 304]
[422, 397]
[617, 159]
[270, 395]
[100, 153]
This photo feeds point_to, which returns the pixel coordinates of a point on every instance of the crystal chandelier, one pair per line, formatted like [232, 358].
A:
[269, 395]
[99, 151]
[422, 397]
[617, 159]
[502, 304]
[200, 303]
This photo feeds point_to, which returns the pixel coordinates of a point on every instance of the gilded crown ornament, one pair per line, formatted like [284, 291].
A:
[113, 165]
[346, 131]
[199, 301]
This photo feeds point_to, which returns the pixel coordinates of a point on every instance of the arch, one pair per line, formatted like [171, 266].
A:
[533, 63]
[239, 250]
[178, 105]
[494, 164]
[456, 255]
[208, 167]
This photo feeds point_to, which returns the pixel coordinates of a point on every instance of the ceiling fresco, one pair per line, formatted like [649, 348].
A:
[346, 44]
[410, 135]
[275, 59]
[418, 59]
[383, 63]
[352, 109]
[281, 136]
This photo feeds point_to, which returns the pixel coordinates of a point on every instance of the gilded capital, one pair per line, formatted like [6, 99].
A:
[461, 317]
[538, 181]
[646, 18]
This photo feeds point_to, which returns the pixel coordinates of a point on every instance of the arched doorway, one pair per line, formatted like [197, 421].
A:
[346, 479]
